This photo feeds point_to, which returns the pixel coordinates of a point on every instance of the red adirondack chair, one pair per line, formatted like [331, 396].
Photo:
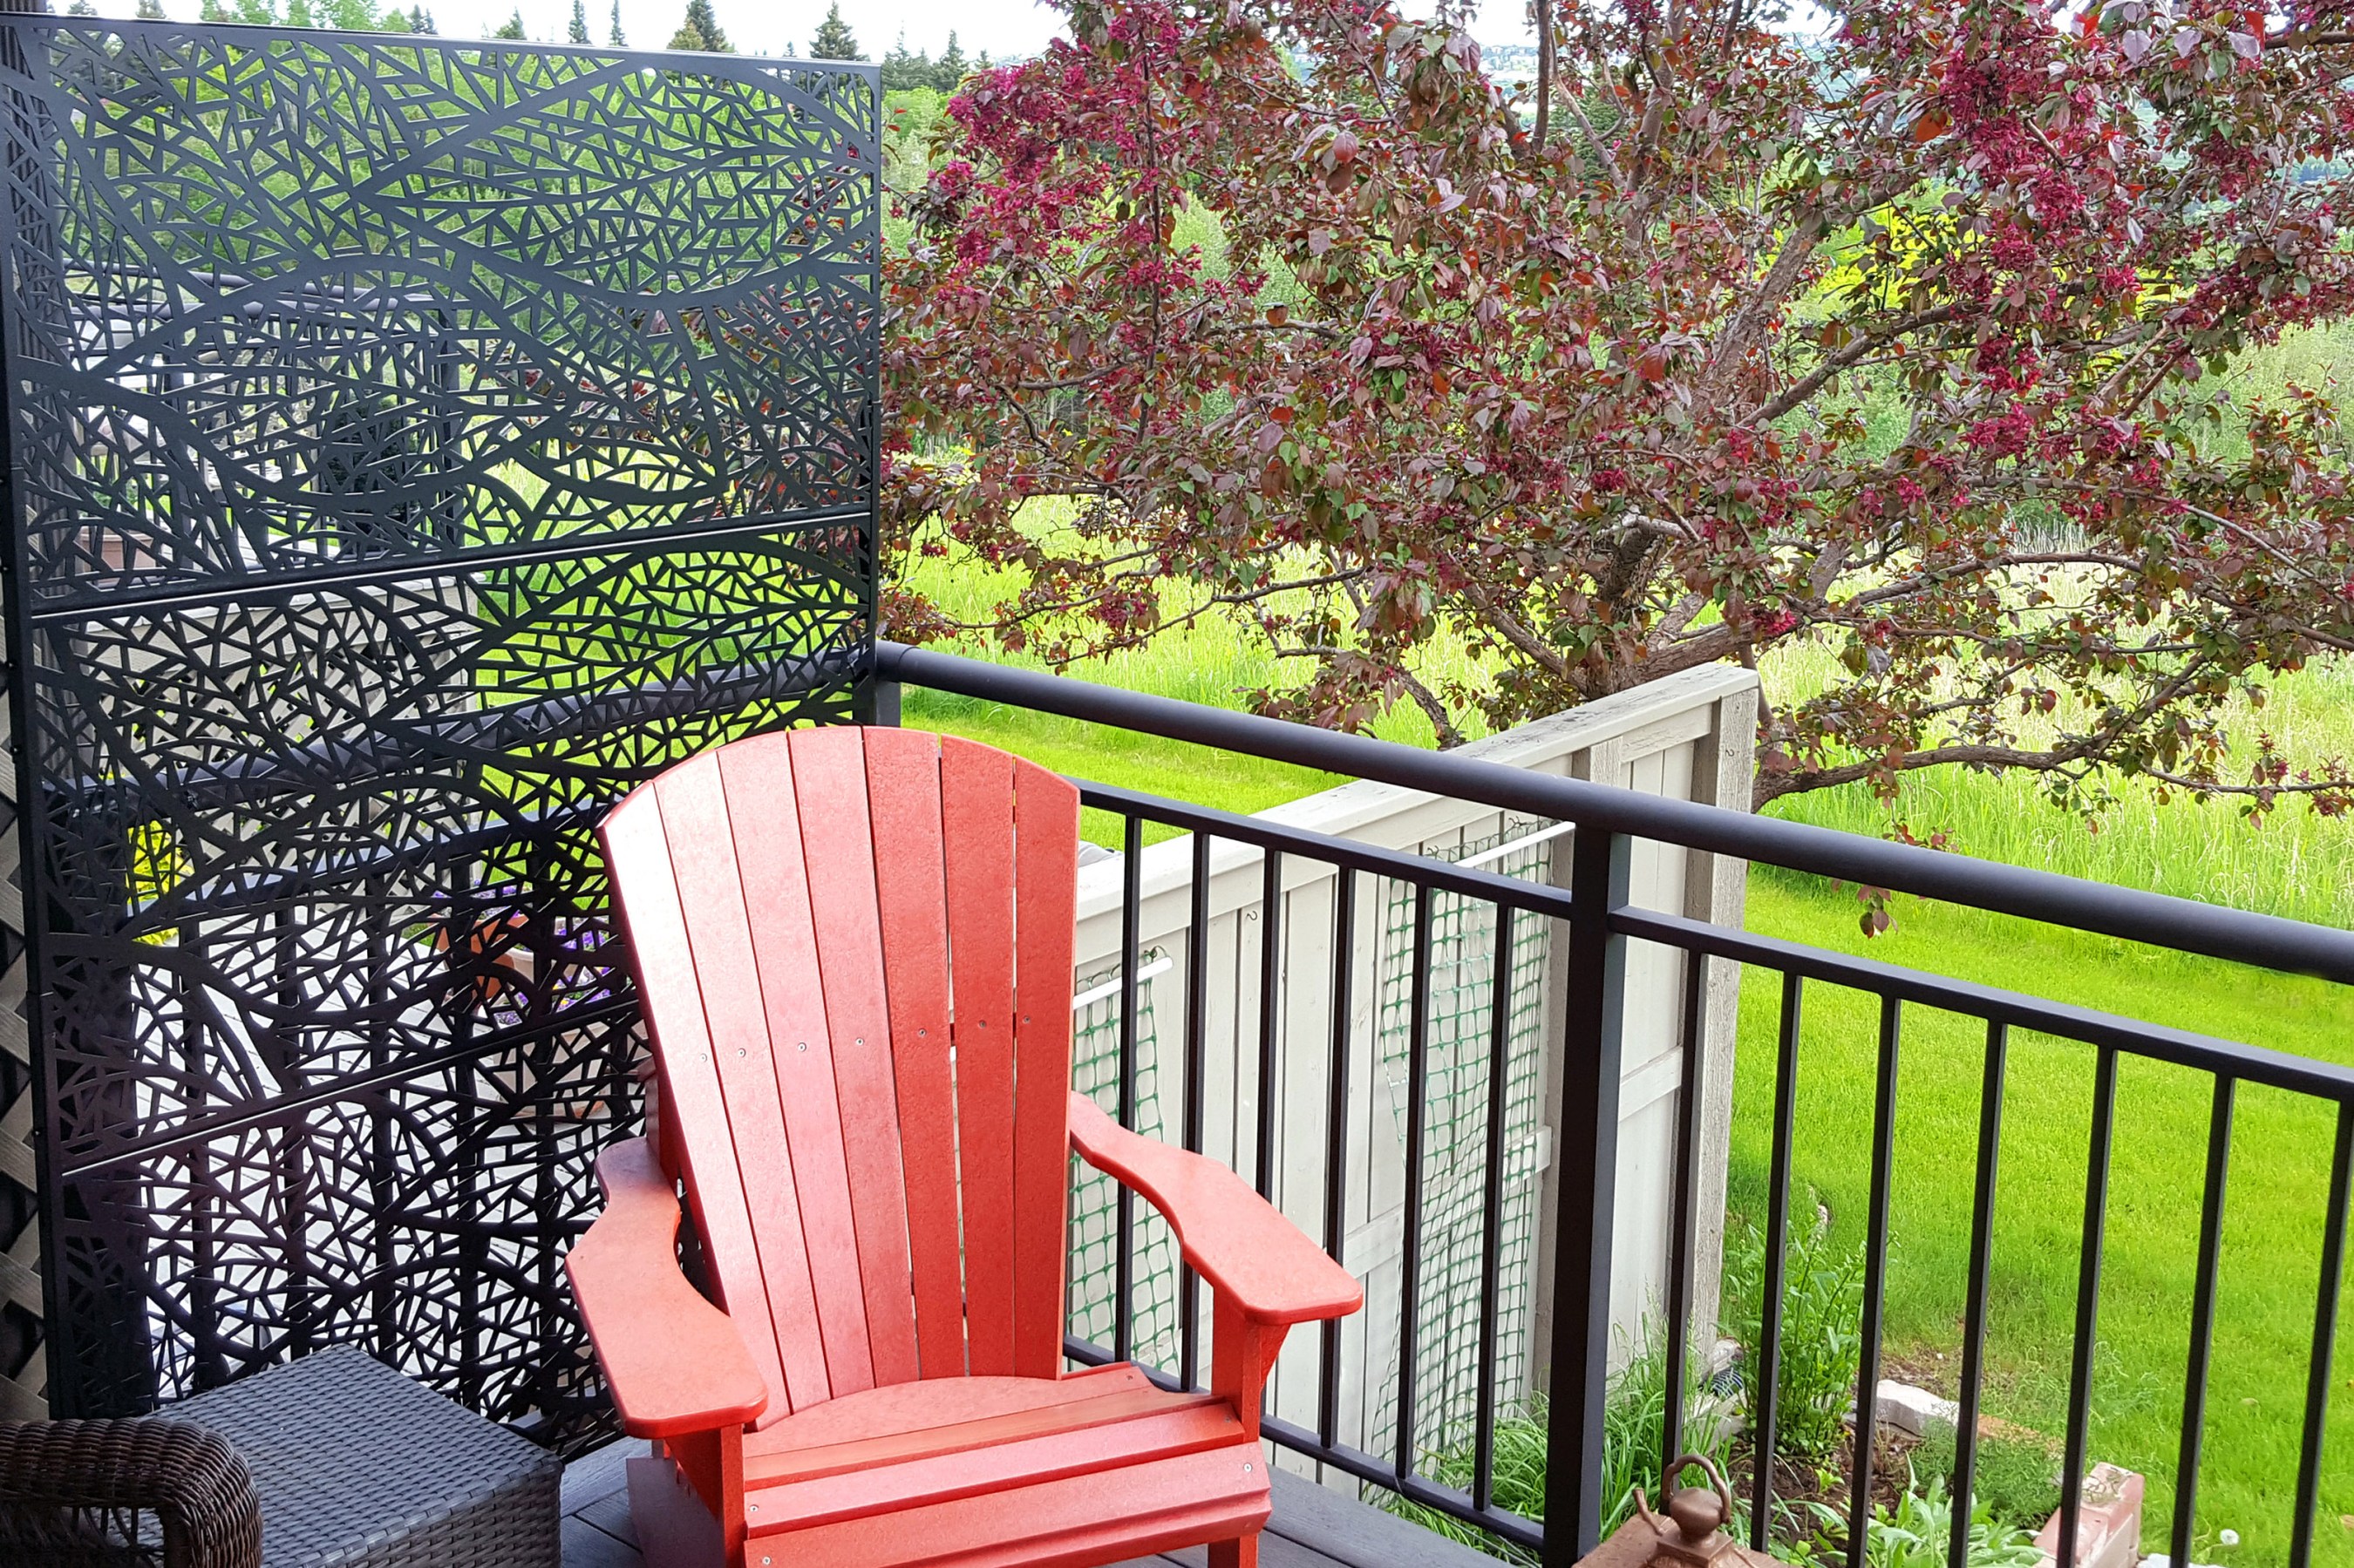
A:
[855, 953]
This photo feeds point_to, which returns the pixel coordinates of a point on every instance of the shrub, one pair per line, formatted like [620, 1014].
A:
[1821, 1344]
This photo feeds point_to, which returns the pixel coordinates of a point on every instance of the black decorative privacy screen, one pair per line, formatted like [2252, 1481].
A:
[413, 444]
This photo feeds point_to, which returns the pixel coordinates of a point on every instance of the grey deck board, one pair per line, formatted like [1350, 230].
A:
[611, 1513]
[1360, 1535]
[1313, 1527]
[597, 1475]
[586, 1546]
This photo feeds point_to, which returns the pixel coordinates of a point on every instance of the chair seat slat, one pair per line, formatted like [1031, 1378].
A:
[1134, 1511]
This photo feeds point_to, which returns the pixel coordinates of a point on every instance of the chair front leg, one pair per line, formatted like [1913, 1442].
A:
[1237, 1553]
[688, 1501]
[1242, 1352]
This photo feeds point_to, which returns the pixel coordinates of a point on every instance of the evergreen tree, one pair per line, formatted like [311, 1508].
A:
[699, 30]
[81, 8]
[948, 71]
[577, 32]
[902, 70]
[833, 40]
[982, 62]
[152, 11]
[212, 11]
[616, 37]
[510, 30]
[420, 20]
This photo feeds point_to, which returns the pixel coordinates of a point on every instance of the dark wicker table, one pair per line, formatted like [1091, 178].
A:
[358, 1468]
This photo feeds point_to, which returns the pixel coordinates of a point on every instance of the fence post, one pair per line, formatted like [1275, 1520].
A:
[1587, 1195]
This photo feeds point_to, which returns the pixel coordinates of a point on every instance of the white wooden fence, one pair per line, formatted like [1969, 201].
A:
[1688, 735]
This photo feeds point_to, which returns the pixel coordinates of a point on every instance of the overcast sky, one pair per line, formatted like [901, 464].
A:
[1001, 26]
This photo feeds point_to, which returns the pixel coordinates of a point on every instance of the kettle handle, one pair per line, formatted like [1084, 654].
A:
[1715, 1479]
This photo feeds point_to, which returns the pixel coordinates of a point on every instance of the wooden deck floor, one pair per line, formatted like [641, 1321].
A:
[1313, 1527]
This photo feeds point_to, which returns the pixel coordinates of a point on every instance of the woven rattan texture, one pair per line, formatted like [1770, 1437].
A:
[106, 1494]
[359, 1467]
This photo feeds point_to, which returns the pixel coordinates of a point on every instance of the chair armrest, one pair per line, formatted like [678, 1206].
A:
[53, 1472]
[1233, 1238]
[675, 1363]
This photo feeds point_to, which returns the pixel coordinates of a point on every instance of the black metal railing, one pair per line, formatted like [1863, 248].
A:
[1600, 923]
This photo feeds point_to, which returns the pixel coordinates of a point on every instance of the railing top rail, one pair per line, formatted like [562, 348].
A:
[2184, 925]
[1446, 877]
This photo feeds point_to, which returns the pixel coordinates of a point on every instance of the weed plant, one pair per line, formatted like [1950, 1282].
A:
[2018, 1480]
[1821, 1345]
[1918, 1533]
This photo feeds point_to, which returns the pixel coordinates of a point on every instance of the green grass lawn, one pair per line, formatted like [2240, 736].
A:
[2272, 1219]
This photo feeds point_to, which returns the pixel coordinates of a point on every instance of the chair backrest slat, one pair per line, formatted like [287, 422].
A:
[788, 992]
[1045, 836]
[650, 889]
[977, 816]
[855, 949]
[903, 777]
[838, 844]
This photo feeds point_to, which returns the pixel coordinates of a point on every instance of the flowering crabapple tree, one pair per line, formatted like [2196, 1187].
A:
[1901, 336]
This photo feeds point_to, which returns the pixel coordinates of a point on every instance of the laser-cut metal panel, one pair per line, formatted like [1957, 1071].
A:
[412, 445]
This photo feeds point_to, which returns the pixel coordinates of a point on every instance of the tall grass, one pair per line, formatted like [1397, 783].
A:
[2294, 861]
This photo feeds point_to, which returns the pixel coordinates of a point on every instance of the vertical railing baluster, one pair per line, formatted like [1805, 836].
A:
[1197, 1014]
[1132, 899]
[1492, 1207]
[2203, 1317]
[1586, 1147]
[2088, 1301]
[1683, 1200]
[1271, 1017]
[1875, 1278]
[2325, 1336]
[1336, 1140]
[1417, 1082]
[1765, 1407]
[1974, 1311]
